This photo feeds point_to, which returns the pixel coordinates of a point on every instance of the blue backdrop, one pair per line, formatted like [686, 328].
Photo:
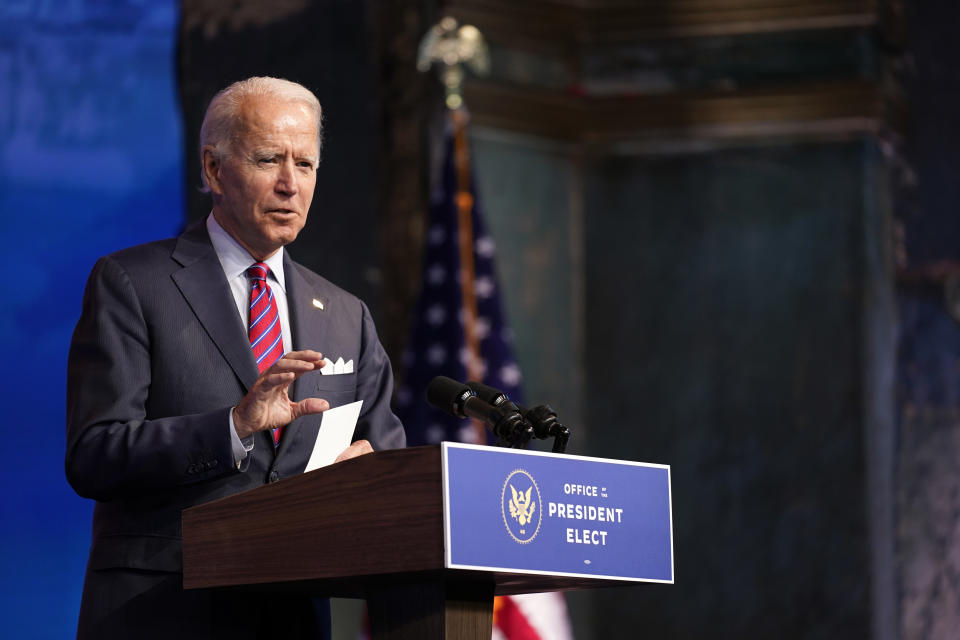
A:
[90, 161]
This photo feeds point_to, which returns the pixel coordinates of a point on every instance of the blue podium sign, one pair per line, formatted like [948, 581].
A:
[532, 512]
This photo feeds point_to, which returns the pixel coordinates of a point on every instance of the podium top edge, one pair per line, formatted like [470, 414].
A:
[548, 454]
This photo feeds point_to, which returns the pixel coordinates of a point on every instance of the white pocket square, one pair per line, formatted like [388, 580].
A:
[338, 367]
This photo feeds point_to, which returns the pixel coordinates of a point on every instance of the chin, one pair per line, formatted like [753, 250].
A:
[285, 238]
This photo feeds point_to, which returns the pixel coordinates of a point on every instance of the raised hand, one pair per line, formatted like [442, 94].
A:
[267, 405]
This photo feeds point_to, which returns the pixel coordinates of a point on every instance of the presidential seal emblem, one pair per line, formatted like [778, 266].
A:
[521, 506]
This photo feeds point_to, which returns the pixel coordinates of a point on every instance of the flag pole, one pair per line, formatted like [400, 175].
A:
[465, 241]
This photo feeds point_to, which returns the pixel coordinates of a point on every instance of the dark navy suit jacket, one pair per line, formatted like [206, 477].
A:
[158, 359]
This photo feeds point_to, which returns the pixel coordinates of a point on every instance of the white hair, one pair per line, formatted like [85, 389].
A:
[222, 117]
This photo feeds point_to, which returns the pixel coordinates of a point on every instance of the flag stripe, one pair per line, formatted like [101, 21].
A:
[512, 623]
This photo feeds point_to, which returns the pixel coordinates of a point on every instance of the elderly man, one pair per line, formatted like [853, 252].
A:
[196, 371]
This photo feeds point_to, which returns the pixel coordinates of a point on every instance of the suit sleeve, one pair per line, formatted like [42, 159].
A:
[113, 450]
[377, 422]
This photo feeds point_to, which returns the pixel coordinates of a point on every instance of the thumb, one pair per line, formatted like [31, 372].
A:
[309, 406]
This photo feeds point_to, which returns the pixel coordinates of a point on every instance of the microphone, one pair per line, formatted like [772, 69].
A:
[499, 399]
[448, 395]
[493, 396]
[541, 419]
[459, 400]
[544, 420]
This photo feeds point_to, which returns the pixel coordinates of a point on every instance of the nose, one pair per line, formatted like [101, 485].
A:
[287, 178]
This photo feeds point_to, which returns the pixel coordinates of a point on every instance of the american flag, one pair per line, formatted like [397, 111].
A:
[459, 331]
[440, 338]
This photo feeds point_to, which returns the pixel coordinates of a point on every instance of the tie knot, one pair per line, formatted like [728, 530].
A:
[258, 271]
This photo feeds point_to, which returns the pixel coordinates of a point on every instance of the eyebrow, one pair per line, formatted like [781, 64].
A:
[266, 152]
[308, 156]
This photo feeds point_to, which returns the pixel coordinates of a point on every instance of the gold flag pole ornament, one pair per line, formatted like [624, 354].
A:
[450, 47]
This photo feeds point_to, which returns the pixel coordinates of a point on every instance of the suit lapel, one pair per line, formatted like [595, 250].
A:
[309, 330]
[203, 284]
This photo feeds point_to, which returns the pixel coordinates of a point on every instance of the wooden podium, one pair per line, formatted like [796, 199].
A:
[370, 527]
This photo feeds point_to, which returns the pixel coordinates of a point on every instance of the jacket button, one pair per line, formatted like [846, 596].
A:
[274, 476]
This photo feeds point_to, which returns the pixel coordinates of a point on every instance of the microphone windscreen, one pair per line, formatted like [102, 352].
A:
[487, 394]
[447, 395]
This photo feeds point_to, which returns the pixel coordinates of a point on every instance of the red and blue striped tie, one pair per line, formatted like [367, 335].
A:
[266, 338]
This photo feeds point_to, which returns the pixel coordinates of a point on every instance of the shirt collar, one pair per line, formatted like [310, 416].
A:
[234, 259]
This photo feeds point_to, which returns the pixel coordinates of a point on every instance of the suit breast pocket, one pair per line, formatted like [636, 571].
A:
[337, 389]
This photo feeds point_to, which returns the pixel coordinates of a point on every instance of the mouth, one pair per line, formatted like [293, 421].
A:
[283, 212]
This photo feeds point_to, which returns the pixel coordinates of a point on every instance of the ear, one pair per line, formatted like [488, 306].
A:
[211, 169]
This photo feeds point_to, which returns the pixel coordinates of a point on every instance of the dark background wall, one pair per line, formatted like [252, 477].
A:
[928, 379]
[322, 46]
[728, 323]
[738, 216]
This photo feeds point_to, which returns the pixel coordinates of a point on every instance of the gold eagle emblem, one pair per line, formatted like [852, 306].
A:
[521, 507]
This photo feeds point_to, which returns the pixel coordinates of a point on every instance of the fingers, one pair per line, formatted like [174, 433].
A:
[297, 363]
[358, 448]
[363, 447]
[294, 365]
[270, 381]
[306, 355]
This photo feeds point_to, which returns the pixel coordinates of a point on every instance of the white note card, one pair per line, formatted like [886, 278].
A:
[336, 432]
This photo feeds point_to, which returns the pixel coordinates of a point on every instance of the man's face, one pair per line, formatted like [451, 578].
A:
[263, 187]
